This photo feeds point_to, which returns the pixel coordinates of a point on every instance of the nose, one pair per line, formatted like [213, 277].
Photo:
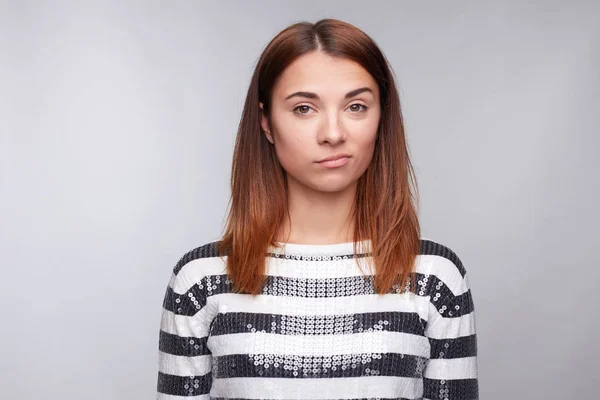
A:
[332, 132]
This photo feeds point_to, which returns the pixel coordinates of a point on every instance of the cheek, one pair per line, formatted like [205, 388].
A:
[292, 152]
[365, 150]
[367, 154]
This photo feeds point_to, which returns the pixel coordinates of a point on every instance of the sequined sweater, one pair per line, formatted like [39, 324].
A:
[318, 329]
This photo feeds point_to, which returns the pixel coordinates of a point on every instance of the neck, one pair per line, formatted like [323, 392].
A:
[318, 217]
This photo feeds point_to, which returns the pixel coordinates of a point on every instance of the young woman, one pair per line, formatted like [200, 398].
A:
[321, 286]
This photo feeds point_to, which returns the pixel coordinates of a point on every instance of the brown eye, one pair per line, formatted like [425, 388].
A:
[359, 105]
[303, 107]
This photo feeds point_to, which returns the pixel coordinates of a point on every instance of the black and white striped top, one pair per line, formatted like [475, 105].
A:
[318, 330]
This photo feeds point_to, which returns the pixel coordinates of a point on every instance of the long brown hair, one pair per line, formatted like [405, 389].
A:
[385, 207]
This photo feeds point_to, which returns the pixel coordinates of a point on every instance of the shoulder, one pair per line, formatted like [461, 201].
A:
[439, 255]
[199, 262]
[439, 263]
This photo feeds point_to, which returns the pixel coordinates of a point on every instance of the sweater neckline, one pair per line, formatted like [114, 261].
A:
[330, 249]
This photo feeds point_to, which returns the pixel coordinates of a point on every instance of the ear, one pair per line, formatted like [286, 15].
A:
[264, 124]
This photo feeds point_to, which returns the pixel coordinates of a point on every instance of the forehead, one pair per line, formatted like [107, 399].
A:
[323, 74]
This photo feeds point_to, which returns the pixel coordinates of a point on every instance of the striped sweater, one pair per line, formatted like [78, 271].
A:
[318, 330]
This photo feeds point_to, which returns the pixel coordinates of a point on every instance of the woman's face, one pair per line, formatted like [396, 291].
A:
[322, 107]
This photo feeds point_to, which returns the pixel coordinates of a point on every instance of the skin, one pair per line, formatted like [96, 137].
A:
[305, 130]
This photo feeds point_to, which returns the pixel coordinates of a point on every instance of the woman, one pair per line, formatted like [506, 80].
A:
[321, 286]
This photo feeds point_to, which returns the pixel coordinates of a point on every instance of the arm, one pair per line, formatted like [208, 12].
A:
[451, 372]
[184, 361]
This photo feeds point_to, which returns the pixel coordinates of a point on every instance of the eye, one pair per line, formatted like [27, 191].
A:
[364, 108]
[357, 108]
[303, 107]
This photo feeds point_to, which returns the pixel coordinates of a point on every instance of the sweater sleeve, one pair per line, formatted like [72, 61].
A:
[184, 360]
[451, 371]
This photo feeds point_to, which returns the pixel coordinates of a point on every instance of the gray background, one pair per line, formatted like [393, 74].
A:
[117, 126]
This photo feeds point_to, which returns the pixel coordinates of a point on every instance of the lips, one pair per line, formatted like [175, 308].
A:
[334, 157]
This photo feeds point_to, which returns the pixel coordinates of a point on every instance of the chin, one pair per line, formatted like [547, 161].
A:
[330, 184]
[333, 185]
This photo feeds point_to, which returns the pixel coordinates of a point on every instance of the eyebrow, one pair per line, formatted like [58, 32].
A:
[315, 96]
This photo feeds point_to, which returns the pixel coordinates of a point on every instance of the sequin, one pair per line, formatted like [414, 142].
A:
[335, 348]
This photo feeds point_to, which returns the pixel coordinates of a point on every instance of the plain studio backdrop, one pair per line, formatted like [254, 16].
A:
[118, 121]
